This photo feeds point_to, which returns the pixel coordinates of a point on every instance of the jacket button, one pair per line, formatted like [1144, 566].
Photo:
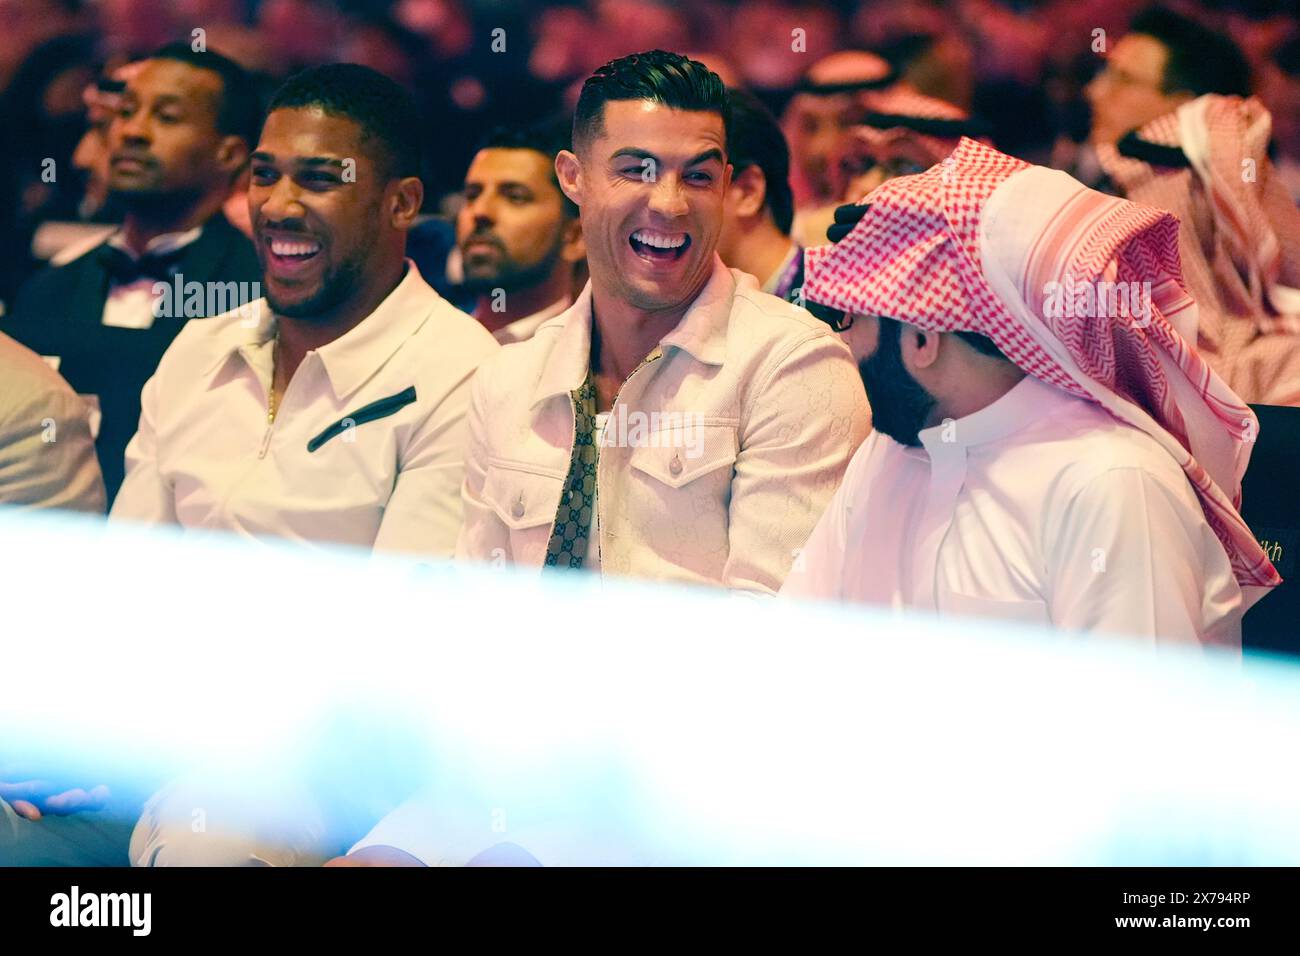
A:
[518, 510]
[675, 466]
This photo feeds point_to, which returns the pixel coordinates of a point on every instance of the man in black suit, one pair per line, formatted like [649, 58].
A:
[178, 147]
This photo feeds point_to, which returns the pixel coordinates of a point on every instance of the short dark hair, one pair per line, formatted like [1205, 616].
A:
[386, 112]
[547, 137]
[240, 110]
[1200, 60]
[756, 139]
[982, 343]
[666, 78]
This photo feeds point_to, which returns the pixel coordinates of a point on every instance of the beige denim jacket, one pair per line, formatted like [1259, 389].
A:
[719, 456]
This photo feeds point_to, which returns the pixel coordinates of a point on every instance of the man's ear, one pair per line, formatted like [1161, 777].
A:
[232, 154]
[573, 248]
[919, 347]
[568, 172]
[407, 198]
[748, 192]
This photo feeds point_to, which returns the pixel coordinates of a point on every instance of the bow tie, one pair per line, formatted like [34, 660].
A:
[124, 268]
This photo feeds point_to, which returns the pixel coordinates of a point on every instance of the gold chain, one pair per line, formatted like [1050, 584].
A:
[272, 399]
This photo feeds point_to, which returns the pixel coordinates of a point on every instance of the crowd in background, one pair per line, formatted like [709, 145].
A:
[474, 65]
[450, 260]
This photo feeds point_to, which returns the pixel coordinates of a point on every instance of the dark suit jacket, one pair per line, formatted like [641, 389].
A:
[59, 312]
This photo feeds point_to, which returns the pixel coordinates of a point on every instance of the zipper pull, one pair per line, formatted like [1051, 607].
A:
[266, 441]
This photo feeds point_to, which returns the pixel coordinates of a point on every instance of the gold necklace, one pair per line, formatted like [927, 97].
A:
[272, 399]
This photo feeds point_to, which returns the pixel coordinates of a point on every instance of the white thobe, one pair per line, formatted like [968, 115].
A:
[1039, 508]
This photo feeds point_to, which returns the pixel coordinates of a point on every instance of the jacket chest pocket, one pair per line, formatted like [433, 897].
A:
[525, 502]
[677, 496]
[678, 457]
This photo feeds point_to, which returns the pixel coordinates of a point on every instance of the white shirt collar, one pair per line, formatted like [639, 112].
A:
[1025, 403]
[702, 333]
[158, 245]
[351, 359]
[522, 329]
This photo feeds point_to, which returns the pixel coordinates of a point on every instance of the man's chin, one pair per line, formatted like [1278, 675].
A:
[295, 307]
[137, 195]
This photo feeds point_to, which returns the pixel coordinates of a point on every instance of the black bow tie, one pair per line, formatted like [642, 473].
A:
[124, 268]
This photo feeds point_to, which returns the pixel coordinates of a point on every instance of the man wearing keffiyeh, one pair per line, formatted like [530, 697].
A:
[1174, 127]
[1049, 448]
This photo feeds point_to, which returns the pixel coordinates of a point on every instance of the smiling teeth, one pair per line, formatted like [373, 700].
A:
[282, 248]
[659, 240]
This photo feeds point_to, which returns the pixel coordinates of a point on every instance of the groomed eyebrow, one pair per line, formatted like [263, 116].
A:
[704, 157]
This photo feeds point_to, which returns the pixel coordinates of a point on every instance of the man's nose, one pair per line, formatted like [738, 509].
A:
[282, 201]
[667, 197]
[130, 129]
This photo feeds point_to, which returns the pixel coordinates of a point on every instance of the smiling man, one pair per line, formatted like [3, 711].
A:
[334, 414]
[753, 406]
[758, 404]
[334, 411]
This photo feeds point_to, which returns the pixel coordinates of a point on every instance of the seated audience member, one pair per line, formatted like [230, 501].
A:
[1175, 128]
[338, 417]
[47, 457]
[760, 206]
[899, 132]
[1048, 448]
[1280, 91]
[336, 412]
[824, 107]
[176, 148]
[676, 422]
[519, 235]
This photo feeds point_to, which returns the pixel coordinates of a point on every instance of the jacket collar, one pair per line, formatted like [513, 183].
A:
[702, 333]
[351, 359]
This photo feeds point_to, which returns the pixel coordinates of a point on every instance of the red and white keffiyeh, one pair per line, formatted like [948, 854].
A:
[1240, 238]
[985, 242]
[899, 100]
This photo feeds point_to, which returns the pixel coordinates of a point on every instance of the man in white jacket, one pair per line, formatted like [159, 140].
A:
[675, 423]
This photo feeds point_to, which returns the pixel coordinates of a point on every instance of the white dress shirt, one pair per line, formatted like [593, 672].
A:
[1039, 508]
[130, 305]
[521, 330]
[383, 475]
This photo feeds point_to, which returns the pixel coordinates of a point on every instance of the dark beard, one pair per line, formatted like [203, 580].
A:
[899, 405]
[511, 277]
[336, 287]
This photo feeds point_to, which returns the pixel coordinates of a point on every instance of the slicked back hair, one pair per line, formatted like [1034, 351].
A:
[669, 79]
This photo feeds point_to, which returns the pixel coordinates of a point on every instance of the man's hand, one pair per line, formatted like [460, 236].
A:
[32, 799]
[376, 856]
